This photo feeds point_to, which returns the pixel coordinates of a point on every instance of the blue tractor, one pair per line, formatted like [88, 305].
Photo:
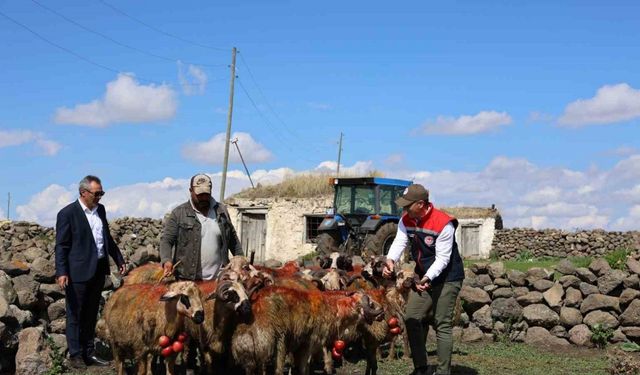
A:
[365, 217]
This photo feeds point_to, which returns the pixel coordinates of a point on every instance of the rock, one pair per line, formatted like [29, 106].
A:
[530, 298]
[483, 319]
[60, 341]
[472, 334]
[540, 336]
[581, 336]
[585, 275]
[633, 266]
[627, 296]
[33, 253]
[52, 290]
[573, 298]
[603, 318]
[496, 270]
[600, 266]
[58, 326]
[588, 289]
[479, 268]
[33, 356]
[474, 298]
[632, 333]
[554, 295]
[536, 273]
[4, 308]
[6, 288]
[520, 291]
[56, 310]
[610, 281]
[631, 316]
[517, 278]
[565, 267]
[542, 285]
[43, 271]
[14, 268]
[490, 288]
[558, 331]
[540, 315]
[505, 309]
[600, 302]
[501, 282]
[618, 336]
[502, 293]
[483, 280]
[569, 281]
[570, 317]
[27, 290]
[23, 317]
[633, 281]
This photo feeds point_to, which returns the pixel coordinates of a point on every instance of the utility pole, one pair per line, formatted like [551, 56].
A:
[235, 142]
[339, 155]
[229, 117]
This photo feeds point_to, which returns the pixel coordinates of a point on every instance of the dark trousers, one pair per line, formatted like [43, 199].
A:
[83, 301]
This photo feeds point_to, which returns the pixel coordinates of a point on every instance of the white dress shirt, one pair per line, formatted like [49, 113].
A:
[96, 227]
[444, 245]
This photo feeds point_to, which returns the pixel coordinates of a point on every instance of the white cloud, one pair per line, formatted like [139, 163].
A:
[394, 159]
[125, 101]
[612, 104]
[537, 117]
[44, 206]
[360, 168]
[192, 79]
[482, 122]
[623, 151]
[319, 106]
[212, 151]
[541, 196]
[20, 137]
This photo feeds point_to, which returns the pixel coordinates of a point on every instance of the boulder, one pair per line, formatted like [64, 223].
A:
[633, 281]
[502, 293]
[496, 270]
[33, 356]
[43, 271]
[4, 309]
[474, 298]
[627, 296]
[542, 285]
[633, 266]
[573, 298]
[483, 319]
[472, 334]
[490, 288]
[14, 268]
[479, 268]
[569, 281]
[23, 317]
[599, 266]
[633, 333]
[540, 336]
[33, 253]
[530, 298]
[536, 273]
[517, 278]
[605, 319]
[56, 310]
[540, 315]
[618, 336]
[27, 290]
[565, 267]
[610, 281]
[581, 335]
[558, 331]
[6, 288]
[585, 275]
[588, 289]
[52, 290]
[554, 295]
[483, 280]
[502, 282]
[505, 309]
[631, 315]
[600, 302]
[570, 317]
[520, 291]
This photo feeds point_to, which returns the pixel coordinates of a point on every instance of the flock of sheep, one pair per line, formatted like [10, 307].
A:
[256, 319]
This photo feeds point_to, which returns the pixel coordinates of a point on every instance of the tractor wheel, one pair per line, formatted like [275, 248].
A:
[379, 243]
[327, 244]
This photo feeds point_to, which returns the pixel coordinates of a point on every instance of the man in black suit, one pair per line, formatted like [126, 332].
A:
[83, 244]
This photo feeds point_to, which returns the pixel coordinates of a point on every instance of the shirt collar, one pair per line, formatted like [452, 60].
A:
[85, 208]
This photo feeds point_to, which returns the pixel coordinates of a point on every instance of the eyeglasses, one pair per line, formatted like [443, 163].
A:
[98, 194]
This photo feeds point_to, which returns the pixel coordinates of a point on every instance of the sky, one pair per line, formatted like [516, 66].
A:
[531, 106]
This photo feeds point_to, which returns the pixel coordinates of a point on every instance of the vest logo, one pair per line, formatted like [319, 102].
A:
[428, 240]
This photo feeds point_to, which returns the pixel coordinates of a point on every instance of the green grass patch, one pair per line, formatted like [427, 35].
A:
[525, 264]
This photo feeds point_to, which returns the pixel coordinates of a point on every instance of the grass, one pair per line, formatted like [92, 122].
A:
[526, 264]
[503, 359]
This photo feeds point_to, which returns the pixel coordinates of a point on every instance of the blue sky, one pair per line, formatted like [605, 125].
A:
[532, 107]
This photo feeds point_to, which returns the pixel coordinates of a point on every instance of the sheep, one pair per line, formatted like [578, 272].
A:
[298, 322]
[137, 315]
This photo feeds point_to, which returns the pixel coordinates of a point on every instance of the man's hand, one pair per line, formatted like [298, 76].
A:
[388, 269]
[424, 284]
[63, 281]
[168, 269]
[123, 269]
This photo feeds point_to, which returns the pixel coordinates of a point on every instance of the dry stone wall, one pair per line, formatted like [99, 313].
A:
[508, 243]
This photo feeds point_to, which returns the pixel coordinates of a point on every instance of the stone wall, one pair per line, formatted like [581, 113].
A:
[551, 307]
[508, 243]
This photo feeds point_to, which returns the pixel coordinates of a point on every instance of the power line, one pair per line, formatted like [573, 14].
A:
[75, 54]
[118, 42]
[162, 31]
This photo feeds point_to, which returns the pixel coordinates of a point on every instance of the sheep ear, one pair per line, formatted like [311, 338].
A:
[168, 296]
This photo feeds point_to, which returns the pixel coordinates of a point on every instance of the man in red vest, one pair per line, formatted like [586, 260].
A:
[431, 236]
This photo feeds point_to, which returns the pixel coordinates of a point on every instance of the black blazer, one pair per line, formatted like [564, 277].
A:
[76, 252]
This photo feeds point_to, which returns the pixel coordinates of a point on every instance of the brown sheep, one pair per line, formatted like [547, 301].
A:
[137, 315]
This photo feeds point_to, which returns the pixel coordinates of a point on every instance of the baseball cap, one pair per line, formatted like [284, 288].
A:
[415, 192]
[201, 183]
